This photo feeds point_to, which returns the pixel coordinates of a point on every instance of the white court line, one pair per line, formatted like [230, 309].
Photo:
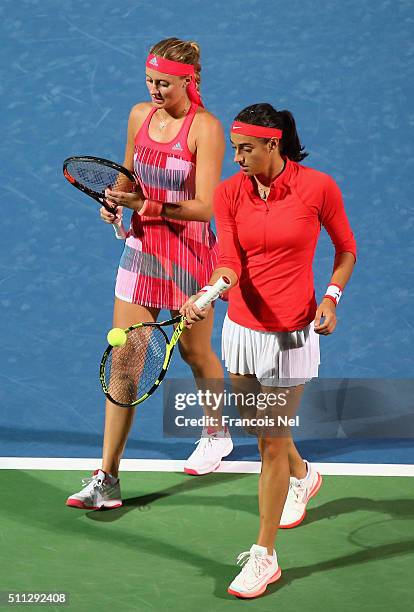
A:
[227, 467]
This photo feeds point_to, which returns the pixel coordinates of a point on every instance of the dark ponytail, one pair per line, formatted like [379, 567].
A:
[264, 114]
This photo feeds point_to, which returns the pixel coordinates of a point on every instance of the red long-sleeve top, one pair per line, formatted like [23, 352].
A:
[271, 245]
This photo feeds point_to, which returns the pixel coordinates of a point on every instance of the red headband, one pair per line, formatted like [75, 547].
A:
[160, 64]
[168, 66]
[258, 131]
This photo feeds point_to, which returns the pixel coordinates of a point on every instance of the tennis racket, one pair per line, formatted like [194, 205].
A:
[129, 374]
[93, 175]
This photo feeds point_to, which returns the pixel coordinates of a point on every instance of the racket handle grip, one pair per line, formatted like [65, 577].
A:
[119, 229]
[213, 292]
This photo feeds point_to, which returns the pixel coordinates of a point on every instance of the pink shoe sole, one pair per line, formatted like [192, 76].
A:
[213, 469]
[274, 578]
[194, 473]
[75, 503]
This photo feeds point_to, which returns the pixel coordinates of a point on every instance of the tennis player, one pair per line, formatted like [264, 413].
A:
[268, 219]
[176, 148]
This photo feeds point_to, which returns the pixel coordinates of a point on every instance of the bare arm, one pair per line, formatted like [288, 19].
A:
[190, 311]
[342, 269]
[136, 118]
[229, 263]
[210, 154]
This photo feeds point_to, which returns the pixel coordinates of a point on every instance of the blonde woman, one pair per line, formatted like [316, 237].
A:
[176, 148]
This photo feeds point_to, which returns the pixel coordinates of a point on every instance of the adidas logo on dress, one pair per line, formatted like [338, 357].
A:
[177, 147]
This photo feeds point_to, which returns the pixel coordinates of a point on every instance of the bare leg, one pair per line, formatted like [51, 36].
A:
[273, 488]
[118, 420]
[195, 348]
[297, 466]
[279, 456]
[274, 477]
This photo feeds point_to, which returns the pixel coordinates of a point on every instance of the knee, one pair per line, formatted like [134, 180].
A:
[193, 356]
[273, 449]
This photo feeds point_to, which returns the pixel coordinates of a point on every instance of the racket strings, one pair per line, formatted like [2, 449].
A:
[131, 370]
[98, 177]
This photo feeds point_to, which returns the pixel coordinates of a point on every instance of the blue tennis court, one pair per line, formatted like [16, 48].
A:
[69, 75]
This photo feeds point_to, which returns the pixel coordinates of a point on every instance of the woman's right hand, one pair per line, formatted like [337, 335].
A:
[109, 217]
[191, 313]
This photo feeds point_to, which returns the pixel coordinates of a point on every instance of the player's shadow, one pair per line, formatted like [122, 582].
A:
[223, 573]
[49, 515]
[384, 551]
[143, 502]
[402, 508]
[246, 503]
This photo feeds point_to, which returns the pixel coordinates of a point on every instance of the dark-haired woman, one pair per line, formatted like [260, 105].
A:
[268, 220]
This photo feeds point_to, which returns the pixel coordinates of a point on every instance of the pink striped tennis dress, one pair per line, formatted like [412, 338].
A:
[164, 260]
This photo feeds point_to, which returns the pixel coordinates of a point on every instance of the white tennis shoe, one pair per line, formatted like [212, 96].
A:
[260, 569]
[99, 491]
[211, 448]
[300, 492]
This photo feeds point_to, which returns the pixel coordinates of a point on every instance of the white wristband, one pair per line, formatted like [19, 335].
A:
[334, 293]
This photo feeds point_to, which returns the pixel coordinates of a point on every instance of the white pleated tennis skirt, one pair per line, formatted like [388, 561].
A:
[277, 359]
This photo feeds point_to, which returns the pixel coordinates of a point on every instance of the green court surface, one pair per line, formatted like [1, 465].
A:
[173, 544]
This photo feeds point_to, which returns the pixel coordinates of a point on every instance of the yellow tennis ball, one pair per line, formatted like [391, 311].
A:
[117, 337]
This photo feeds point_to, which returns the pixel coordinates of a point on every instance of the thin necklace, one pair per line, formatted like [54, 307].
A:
[163, 123]
[262, 189]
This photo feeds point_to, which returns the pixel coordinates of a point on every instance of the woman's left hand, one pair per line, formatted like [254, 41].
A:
[134, 201]
[327, 310]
